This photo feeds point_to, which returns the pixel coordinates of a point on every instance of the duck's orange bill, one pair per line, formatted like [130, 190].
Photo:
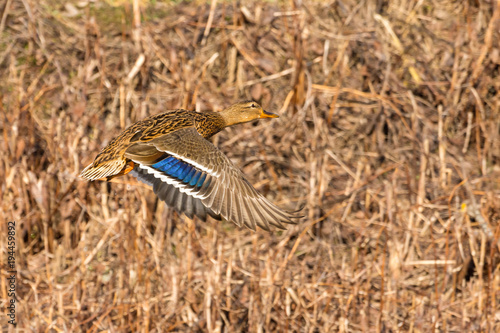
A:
[265, 114]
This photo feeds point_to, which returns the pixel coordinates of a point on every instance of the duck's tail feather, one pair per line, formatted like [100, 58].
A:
[106, 169]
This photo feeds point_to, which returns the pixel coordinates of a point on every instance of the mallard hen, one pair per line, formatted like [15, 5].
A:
[171, 153]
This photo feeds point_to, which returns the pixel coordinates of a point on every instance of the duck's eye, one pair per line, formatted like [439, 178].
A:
[253, 105]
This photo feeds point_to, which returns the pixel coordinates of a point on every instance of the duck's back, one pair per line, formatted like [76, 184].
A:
[111, 160]
[153, 127]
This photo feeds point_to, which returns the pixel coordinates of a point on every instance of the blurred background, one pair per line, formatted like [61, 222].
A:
[389, 134]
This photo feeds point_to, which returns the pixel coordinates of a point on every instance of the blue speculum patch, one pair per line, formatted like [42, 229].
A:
[188, 177]
[181, 170]
[165, 163]
[195, 178]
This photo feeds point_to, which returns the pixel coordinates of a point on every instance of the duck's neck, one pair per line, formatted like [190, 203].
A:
[209, 123]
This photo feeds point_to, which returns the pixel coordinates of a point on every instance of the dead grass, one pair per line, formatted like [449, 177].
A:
[389, 134]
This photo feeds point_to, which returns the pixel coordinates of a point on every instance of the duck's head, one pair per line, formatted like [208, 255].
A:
[244, 112]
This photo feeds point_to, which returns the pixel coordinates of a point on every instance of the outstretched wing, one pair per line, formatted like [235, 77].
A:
[197, 169]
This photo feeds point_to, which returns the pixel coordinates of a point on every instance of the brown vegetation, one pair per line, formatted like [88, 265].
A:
[389, 135]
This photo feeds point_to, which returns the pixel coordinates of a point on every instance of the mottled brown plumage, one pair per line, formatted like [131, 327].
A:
[169, 152]
[111, 158]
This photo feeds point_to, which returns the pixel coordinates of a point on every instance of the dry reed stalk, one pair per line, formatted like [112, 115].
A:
[402, 228]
